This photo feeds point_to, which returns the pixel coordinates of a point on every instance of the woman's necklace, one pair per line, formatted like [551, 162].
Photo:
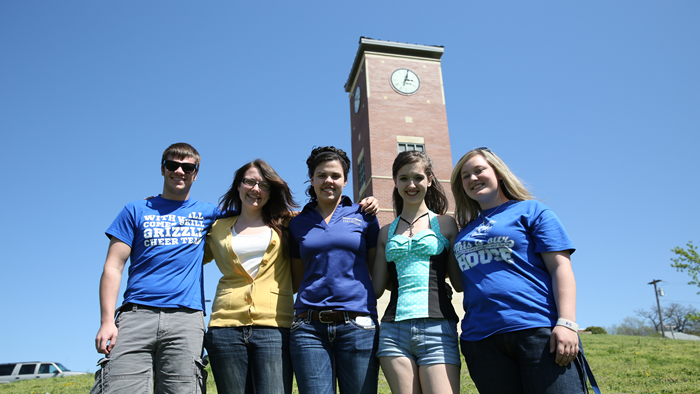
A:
[410, 224]
[483, 218]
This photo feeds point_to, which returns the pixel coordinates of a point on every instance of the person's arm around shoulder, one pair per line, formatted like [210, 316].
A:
[117, 254]
[211, 240]
[449, 230]
[380, 272]
[371, 235]
[208, 254]
[564, 341]
[371, 256]
[369, 205]
[297, 266]
[296, 263]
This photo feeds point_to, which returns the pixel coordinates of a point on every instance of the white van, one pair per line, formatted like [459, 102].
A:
[13, 372]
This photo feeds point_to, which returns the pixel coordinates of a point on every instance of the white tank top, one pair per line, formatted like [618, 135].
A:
[250, 249]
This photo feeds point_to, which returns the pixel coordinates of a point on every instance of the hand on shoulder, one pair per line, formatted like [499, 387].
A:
[370, 205]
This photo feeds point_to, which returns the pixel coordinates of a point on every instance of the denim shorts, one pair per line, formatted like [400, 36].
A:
[427, 341]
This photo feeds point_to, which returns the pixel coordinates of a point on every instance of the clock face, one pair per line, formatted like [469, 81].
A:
[405, 81]
[357, 99]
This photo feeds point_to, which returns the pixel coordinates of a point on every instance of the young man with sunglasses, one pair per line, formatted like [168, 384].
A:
[156, 340]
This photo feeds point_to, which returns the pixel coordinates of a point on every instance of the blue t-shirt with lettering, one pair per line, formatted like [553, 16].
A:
[335, 258]
[167, 246]
[506, 284]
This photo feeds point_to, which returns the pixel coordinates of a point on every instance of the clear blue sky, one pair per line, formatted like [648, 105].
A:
[595, 104]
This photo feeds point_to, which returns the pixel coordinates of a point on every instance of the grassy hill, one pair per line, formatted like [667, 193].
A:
[621, 364]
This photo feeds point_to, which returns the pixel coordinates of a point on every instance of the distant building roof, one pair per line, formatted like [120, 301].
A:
[680, 335]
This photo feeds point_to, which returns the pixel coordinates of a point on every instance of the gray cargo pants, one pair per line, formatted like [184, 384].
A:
[154, 345]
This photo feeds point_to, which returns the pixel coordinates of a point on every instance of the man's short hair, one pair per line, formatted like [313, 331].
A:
[179, 151]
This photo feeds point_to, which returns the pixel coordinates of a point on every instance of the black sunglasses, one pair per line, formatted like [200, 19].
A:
[485, 149]
[172, 165]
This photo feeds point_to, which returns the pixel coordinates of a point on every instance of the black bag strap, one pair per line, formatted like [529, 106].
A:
[585, 369]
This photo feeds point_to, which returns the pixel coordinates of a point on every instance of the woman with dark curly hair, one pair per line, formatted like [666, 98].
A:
[334, 335]
[248, 336]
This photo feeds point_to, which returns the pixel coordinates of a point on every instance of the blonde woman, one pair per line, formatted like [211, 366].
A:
[519, 332]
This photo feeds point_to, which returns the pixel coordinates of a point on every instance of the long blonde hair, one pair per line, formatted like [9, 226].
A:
[468, 209]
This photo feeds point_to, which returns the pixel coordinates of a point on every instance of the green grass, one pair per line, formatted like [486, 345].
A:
[627, 364]
[621, 364]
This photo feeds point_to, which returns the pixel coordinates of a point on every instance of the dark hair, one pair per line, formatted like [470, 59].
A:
[279, 206]
[181, 150]
[323, 154]
[435, 197]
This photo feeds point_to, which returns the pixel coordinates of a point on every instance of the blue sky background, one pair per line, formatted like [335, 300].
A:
[595, 104]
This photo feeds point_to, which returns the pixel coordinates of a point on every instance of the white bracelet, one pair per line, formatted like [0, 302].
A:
[568, 324]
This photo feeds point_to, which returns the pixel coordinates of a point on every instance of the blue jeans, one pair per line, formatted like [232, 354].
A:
[519, 362]
[250, 359]
[322, 352]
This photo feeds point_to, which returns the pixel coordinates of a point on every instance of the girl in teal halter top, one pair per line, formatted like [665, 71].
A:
[418, 345]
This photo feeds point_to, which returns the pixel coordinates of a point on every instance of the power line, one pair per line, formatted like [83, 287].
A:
[689, 302]
[677, 283]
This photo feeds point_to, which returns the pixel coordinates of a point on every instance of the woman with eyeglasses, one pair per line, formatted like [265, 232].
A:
[519, 332]
[248, 336]
[334, 335]
[418, 336]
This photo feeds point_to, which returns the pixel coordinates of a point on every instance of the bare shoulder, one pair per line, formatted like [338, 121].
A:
[447, 221]
[447, 225]
[383, 234]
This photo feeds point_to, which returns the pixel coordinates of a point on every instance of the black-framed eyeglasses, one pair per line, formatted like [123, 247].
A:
[172, 165]
[485, 149]
[265, 186]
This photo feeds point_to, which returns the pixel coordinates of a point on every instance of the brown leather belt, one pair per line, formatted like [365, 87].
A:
[329, 316]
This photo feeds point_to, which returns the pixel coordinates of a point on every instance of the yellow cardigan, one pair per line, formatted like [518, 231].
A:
[241, 300]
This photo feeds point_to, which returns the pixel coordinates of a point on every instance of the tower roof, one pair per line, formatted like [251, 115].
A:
[397, 48]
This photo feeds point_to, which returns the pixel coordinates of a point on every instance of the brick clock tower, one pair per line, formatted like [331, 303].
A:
[397, 103]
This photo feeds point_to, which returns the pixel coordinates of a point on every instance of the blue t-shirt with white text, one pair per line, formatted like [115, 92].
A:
[167, 246]
[506, 284]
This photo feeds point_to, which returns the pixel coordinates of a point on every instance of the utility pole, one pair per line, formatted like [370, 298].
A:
[658, 306]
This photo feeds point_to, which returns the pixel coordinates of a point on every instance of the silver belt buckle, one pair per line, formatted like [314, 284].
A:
[320, 316]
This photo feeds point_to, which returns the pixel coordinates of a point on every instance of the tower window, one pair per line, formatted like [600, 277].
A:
[361, 170]
[403, 147]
